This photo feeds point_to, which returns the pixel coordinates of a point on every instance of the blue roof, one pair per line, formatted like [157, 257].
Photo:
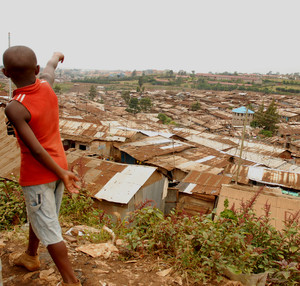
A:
[242, 109]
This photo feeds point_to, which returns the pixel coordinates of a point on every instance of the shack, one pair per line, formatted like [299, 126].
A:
[119, 188]
[198, 192]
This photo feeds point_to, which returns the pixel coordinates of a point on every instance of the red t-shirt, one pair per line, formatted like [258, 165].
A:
[41, 102]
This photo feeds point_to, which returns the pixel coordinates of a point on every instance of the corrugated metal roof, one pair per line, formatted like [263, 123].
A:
[212, 143]
[200, 158]
[153, 146]
[123, 186]
[184, 132]
[271, 162]
[148, 132]
[188, 188]
[243, 173]
[88, 131]
[205, 159]
[167, 162]
[107, 180]
[281, 178]
[194, 166]
[261, 148]
[265, 175]
[242, 109]
[205, 183]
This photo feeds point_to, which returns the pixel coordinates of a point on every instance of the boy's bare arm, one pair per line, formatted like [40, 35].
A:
[48, 72]
[18, 115]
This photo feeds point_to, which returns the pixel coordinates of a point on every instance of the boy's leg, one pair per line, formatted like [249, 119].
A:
[30, 259]
[33, 243]
[59, 254]
[44, 203]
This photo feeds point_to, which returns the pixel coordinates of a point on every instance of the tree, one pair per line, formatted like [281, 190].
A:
[140, 87]
[259, 117]
[92, 92]
[145, 104]
[126, 96]
[133, 106]
[133, 74]
[196, 106]
[182, 72]
[267, 120]
[271, 117]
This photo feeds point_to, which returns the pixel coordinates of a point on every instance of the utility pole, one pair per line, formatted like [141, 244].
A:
[242, 146]
[9, 80]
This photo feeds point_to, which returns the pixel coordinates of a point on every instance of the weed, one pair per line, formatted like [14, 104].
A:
[203, 246]
[79, 209]
[12, 205]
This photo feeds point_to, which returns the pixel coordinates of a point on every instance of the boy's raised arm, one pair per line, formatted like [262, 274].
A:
[48, 72]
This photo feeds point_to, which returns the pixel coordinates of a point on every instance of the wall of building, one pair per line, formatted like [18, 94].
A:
[155, 192]
[195, 204]
[239, 118]
[152, 191]
[102, 148]
[282, 207]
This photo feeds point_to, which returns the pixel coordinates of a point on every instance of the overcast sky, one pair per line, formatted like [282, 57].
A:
[200, 35]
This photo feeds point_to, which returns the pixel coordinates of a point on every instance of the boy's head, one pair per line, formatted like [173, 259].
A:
[20, 64]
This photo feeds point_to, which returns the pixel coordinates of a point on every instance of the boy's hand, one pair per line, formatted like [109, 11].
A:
[60, 56]
[70, 180]
[48, 72]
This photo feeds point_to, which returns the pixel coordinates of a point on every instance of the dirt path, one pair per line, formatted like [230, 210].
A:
[98, 271]
[91, 271]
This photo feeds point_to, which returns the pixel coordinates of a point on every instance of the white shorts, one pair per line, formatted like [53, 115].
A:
[42, 205]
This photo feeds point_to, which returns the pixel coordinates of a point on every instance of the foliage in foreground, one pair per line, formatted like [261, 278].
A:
[79, 208]
[203, 247]
[12, 205]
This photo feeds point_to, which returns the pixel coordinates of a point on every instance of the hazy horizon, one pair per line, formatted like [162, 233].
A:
[193, 35]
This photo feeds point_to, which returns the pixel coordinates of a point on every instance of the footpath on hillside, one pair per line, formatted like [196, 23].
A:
[108, 269]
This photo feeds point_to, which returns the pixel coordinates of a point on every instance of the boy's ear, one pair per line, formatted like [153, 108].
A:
[5, 72]
[37, 70]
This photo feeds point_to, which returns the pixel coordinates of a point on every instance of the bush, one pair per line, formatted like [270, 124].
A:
[164, 118]
[12, 205]
[78, 208]
[266, 133]
[236, 239]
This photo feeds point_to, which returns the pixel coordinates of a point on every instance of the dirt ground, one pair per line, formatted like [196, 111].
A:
[91, 271]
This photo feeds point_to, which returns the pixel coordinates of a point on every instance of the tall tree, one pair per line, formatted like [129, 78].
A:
[141, 87]
[92, 92]
[259, 117]
[266, 119]
[126, 96]
[271, 117]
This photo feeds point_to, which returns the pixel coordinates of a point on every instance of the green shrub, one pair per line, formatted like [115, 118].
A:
[78, 208]
[203, 246]
[266, 133]
[12, 205]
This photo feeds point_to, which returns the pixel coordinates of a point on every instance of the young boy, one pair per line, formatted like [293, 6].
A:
[44, 173]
